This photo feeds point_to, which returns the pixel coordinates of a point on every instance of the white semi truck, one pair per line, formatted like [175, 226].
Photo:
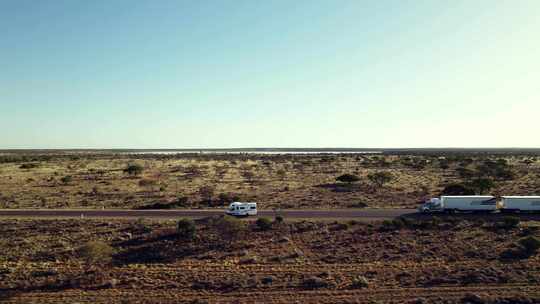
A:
[242, 209]
[451, 204]
[520, 204]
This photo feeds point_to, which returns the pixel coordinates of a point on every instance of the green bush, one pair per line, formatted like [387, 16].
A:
[264, 223]
[186, 229]
[96, 252]
[279, 219]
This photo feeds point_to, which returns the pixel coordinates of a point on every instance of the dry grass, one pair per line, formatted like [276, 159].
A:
[292, 181]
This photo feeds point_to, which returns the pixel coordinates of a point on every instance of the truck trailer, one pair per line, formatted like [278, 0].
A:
[520, 204]
[451, 204]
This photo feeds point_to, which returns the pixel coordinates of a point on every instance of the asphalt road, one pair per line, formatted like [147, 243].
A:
[365, 214]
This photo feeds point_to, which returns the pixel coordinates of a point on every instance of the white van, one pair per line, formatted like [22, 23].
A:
[242, 209]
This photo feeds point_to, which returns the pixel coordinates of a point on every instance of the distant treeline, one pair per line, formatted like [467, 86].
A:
[10, 156]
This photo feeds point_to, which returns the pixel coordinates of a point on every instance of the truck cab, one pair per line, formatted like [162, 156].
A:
[460, 203]
[242, 209]
[431, 205]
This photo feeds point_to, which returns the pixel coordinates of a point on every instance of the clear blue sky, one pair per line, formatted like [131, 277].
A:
[219, 74]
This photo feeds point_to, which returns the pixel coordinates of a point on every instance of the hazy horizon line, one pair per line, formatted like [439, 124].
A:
[278, 148]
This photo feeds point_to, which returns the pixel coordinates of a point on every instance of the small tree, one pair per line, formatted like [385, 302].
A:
[457, 189]
[380, 178]
[186, 229]
[96, 252]
[134, 169]
[482, 185]
[347, 178]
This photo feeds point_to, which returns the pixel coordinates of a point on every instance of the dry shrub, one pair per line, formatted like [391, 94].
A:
[96, 252]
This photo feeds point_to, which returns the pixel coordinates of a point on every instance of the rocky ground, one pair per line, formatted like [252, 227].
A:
[444, 260]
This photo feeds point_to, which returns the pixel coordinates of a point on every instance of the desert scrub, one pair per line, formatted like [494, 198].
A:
[146, 182]
[134, 169]
[359, 282]
[347, 178]
[380, 178]
[264, 223]
[523, 249]
[96, 252]
[530, 244]
[508, 222]
[228, 228]
[186, 229]
[66, 179]
[315, 282]
[29, 166]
